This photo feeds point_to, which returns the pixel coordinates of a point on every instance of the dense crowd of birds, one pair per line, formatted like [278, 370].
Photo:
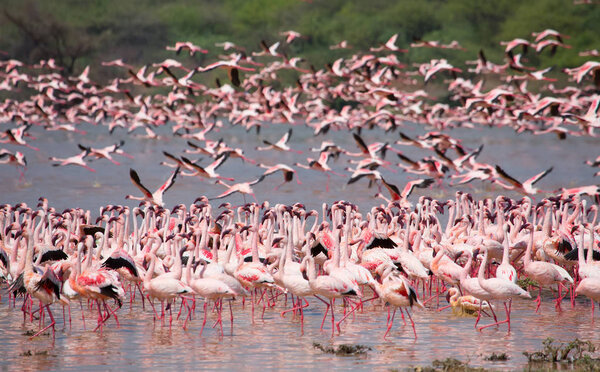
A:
[366, 90]
[397, 252]
[393, 255]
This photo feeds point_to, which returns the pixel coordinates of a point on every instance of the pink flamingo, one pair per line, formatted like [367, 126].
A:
[155, 198]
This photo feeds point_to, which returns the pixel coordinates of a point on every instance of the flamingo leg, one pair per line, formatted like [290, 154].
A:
[538, 300]
[142, 296]
[205, 314]
[390, 322]
[333, 318]
[479, 313]
[153, 309]
[356, 306]
[52, 323]
[507, 320]
[231, 316]
[326, 310]
[412, 323]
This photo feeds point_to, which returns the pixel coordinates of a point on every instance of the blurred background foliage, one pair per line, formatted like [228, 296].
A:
[81, 32]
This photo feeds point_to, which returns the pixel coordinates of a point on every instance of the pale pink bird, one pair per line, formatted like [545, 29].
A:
[162, 288]
[499, 289]
[156, 197]
[74, 160]
[280, 145]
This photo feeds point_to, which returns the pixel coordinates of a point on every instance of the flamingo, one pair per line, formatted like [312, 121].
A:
[163, 288]
[396, 291]
[500, 289]
[589, 287]
[544, 273]
[73, 160]
[506, 270]
[44, 287]
[209, 171]
[155, 198]
[525, 187]
[327, 286]
[193, 49]
[288, 172]
[280, 145]
[466, 304]
[210, 289]
[96, 284]
[254, 274]
[241, 187]
[320, 165]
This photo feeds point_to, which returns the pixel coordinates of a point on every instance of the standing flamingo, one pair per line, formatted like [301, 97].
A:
[500, 289]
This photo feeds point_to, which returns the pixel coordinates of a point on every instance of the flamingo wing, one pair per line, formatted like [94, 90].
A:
[508, 178]
[136, 181]
[422, 183]
[538, 177]
[170, 181]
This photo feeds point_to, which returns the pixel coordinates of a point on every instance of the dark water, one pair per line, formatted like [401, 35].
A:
[277, 343]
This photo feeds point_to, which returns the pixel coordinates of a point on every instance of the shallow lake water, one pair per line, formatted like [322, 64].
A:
[276, 342]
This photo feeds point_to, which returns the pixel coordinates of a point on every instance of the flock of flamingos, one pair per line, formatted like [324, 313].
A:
[401, 254]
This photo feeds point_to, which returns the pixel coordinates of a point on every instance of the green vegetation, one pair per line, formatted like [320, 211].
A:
[525, 283]
[77, 33]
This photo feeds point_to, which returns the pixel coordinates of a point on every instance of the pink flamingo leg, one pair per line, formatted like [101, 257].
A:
[412, 323]
[205, 314]
[390, 322]
[52, 323]
[333, 318]
[326, 310]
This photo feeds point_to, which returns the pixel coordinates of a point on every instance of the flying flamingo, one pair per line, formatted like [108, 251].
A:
[193, 49]
[525, 187]
[16, 136]
[241, 187]
[74, 160]
[288, 173]
[155, 198]
[208, 171]
[17, 159]
[320, 165]
[280, 145]
[105, 152]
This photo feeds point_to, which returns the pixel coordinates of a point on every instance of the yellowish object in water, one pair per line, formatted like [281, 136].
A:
[466, 305]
